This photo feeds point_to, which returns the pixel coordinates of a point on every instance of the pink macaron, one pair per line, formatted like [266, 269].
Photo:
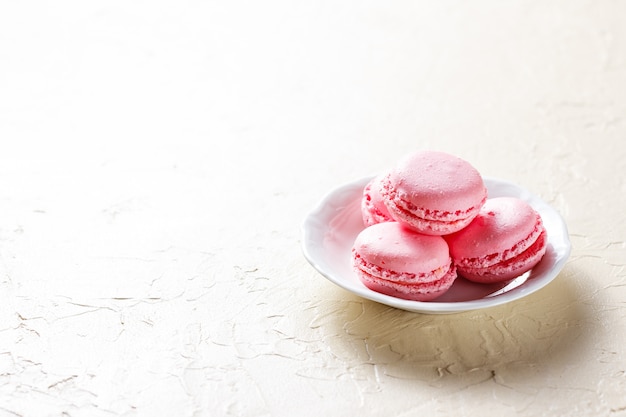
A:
[373, 208]
[504, 241]
[434, 192]
[394, 260]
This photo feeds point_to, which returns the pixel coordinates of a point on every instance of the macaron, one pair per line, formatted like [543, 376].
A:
[506, 239]
[391, 259]
[373, 208]
[433, 192]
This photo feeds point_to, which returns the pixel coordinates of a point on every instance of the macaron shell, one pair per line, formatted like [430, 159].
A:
[393, 247]
[437, 181]
[373, 208]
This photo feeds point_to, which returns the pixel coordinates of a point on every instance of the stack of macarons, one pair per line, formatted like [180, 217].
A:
[429, 219]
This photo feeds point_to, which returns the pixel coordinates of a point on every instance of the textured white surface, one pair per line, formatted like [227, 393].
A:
[157, 159]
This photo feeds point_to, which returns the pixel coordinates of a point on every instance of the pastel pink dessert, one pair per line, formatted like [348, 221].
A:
[373, 208]
[504, 241]
[394, 260]
[433, 192]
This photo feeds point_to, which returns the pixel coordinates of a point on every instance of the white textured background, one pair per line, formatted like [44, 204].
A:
[158, 157]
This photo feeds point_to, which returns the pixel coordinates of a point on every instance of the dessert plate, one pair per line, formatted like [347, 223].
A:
[329, 230]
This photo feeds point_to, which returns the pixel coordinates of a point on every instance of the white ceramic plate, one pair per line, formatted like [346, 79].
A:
[330, 229]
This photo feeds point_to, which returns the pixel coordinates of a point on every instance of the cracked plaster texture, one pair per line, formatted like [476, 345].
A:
[157, 159]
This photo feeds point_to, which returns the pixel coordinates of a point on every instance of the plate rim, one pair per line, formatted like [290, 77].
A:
[438, 307]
